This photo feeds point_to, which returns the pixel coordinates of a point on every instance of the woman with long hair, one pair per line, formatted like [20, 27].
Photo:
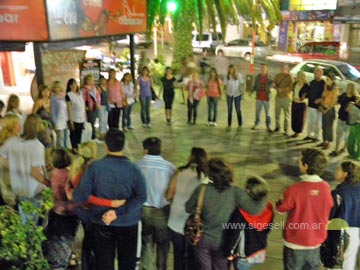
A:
[196, 91]
[220, 200]
[168, 93]
[182, 185]
[234, 85]
[327, 107]
[116, 99]
[298, 107]
[76, 112]
[105, 106]
[214, 85]
[130, 95]
[145, 84]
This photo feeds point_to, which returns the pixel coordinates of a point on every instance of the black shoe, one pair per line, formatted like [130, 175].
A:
[269, 130]
[254, 127]
[277, 129]
[308, 138]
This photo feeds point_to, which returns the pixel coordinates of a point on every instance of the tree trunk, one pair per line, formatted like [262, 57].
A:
[183, 19]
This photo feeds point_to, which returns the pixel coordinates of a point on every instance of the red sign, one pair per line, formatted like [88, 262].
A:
[23, 20]
[70, 19]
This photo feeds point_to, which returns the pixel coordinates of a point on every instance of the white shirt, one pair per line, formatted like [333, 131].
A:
[157, 172]
[234, 88]
[22, 157]
[186, 183]
[129, 92]
[59, 113]
[78, 107]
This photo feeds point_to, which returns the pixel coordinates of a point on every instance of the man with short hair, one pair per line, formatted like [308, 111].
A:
[114, 177]
[283, 83]
[155, 212]
[314, 96]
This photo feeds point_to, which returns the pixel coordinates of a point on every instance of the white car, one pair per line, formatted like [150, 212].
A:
[242, 48]
[344, 73]
[208, 42]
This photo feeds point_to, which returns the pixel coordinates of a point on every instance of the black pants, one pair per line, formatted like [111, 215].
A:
[75, 134]
[328, 125]
[114, 117]
[298, 110]
[111, 238]
[192, 110]
[91, 116]
[168, 100]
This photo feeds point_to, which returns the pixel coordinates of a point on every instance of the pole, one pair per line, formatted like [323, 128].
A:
[132, 56]
[162, 37]
[251, 71]
[37, 57]
[155, 40]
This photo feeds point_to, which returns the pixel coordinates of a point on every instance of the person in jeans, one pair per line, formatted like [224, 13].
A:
[262, 88]
[314, 95]
[130, 94]
[155, 212]
[283, 83]
[234, 86]
[196, 91]
[308, 204]
[105, 107]
[221, 198]
[214, 85]
[327, 107]
[116, 99]
[182, 185]
[145, 83]
[114, 177]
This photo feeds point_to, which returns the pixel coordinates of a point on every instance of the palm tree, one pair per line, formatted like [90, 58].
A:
[199, 12]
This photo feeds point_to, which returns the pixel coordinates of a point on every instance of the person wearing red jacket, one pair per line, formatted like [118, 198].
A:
[308, 204]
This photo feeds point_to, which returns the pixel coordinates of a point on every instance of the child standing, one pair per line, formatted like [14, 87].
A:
[308, 204]
[246, 244]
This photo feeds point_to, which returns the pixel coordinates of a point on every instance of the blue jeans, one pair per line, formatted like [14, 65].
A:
[259, 105]
[145, 110]
[126, 117]
[103, 119]
[237, 101]
[192, 110]
[62, 138]
[212, 108]
[241, 264]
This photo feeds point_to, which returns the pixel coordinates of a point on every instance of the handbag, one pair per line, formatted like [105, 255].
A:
[194, 227]
[333, 249]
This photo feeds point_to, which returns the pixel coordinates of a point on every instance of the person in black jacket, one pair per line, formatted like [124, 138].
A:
[245, 238]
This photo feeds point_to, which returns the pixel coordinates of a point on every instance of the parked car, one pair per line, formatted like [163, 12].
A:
[343, 72]
[242, 48]
[207, 41]
[330, 50]
[140, 40]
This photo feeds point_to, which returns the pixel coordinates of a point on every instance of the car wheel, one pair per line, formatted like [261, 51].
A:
[247, 56]
[220, 53]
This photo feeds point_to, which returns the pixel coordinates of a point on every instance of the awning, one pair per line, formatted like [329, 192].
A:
[347, 14]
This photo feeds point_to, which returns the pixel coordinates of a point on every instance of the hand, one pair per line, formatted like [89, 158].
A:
[117, 203]
[279, 202]
[71, 125]
[108, 217]
[318, 101]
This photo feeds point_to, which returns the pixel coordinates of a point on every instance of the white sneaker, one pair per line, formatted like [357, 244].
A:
[214, 124]
[144, 125]
[210, 124]
[148, 126]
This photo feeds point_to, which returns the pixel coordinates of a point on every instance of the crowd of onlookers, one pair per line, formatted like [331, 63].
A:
[54, 146]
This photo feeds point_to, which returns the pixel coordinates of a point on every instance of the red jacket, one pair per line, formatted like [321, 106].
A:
[308, 204]
[91, 98]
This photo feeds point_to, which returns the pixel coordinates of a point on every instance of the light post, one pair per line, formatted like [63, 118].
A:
[249, 77]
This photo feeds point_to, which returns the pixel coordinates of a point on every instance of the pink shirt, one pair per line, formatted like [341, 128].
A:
[115, 93]
[308, 204]
[213, 88]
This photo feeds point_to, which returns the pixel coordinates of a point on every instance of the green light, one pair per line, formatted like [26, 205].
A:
[171, 6]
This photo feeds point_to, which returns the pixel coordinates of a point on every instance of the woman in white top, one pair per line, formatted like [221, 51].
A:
[182, 185]
[298, 107]
[234, 85]
[130, 94]
[76, 111]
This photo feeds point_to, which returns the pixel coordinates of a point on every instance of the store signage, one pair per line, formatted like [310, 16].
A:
[23, 20]
[70, 19]
[90, 67]
[283, 35]
[313, 15]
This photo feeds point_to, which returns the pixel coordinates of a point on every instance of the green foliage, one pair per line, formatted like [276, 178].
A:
[20, 244]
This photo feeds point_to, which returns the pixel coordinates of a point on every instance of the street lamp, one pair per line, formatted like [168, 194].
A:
[171, 6]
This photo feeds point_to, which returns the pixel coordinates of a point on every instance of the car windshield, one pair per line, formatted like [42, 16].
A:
[349, 72]
[203, 37]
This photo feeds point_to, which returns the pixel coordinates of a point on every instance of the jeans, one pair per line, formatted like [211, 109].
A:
[237, 101]
[212, 109]
[103, 119]
[299, 259]
[259, 105]
[282, 103]
[342, 133]
[113, 118]
[91, 117]
[313, 122]
[155, 238]
[328, 119]
[192, 110]
[126, 117]
[211, 255]
[241, 264]
[61, 138]
[145, 110]
[109, 239]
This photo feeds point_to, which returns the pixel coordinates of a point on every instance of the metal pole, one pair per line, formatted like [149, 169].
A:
[132, 56]
[39, 70]
[162, 37]
[155, 40]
